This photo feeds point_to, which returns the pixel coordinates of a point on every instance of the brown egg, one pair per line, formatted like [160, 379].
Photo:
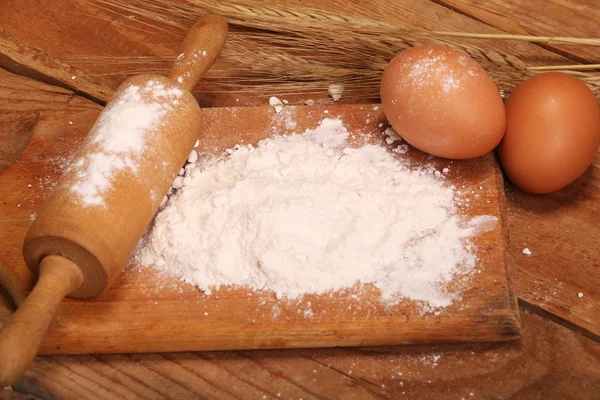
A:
[442, 102]
[552, 132]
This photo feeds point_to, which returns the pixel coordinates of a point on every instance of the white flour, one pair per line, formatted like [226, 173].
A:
[336, 90]
[429, 70]
[308, 214]
[119, 136]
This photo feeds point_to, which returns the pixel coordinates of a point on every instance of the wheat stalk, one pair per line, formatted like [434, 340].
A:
[528, 38]
[571, 67]
[291, 49]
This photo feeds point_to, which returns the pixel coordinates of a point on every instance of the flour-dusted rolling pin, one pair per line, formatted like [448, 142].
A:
[88, 228]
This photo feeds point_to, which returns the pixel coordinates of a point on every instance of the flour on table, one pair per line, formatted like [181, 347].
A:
[276, 104]
[120, 136]
[306, 213]
[336, 90]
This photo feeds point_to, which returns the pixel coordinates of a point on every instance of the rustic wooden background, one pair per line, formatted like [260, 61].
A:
[558, 355]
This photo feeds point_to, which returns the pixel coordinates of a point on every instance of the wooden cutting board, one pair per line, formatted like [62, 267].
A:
[147, 312]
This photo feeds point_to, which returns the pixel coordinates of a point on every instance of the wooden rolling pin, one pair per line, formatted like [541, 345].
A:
[88, 228]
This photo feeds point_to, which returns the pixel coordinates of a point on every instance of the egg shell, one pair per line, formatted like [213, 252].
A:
[552, 133]
[443, 102]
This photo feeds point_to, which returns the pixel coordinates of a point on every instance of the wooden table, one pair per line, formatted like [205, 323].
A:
[558, 355]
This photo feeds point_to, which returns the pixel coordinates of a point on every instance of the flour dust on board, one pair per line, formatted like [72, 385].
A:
[308, 214]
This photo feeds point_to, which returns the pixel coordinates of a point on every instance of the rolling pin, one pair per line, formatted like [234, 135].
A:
[88, 228]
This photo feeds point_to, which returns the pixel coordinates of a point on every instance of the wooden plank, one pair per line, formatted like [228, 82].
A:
[141, 311]
[9, 394]
[533, 280]
[575, 18]
[22, 100]
[549, 362]
[15, 131]
[562, 232]
[23, 59]
[578, 380]
[561, 229]
[67, 32]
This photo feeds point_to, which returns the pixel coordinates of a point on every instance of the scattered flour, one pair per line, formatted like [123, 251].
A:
[119, 136]
[336, 90]
[305, 213]
[392, 136]
[434, 69]
[276, 104]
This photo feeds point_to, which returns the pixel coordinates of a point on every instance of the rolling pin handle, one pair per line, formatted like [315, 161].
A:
[22, 336]
[201, 47]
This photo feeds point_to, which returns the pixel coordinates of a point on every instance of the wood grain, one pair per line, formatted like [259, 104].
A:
[68, 30]
[22, 100]
[549, 362]
[142, 310]
[561, 229]
[576, 18]
[23, 59]
[533, 280]
[15, 130]
[9, 394]
[562, 232]
[553, 362]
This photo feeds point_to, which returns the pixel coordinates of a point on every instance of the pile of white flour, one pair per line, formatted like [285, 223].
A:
[305, 214]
